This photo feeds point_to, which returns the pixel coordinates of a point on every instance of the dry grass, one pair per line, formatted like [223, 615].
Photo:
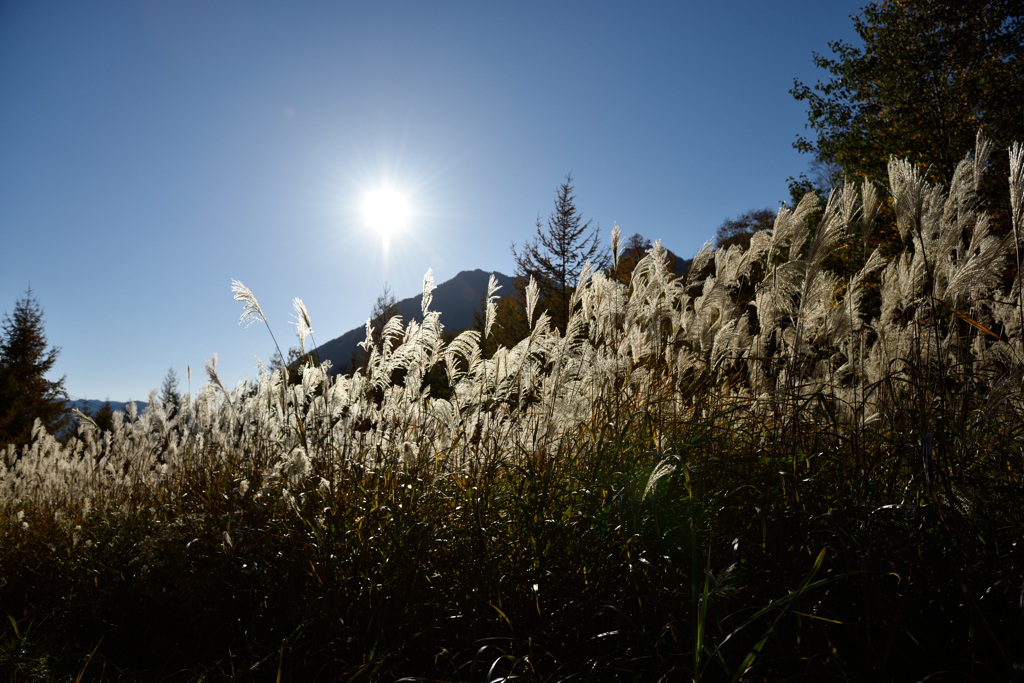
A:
[753, 473]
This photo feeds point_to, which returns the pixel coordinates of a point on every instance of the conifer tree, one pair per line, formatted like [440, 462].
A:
[555, 257]
[104, 417]
[169, 394]
[25, 358]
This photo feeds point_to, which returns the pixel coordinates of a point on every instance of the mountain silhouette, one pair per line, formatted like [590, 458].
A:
[455, 299]
[91, 405]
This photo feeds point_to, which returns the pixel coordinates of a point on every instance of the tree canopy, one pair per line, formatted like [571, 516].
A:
[929, 76]
[739, 230]
[25, 359]
[103, 416]
[633, 249]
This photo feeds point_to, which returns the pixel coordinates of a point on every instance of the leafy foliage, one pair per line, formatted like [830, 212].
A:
[739, 230]
[930, 75]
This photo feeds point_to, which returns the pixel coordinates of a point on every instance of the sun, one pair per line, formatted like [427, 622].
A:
[386, 211]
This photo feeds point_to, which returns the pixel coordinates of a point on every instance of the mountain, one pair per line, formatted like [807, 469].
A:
[456, 300]
[91, 405]
[682, 264]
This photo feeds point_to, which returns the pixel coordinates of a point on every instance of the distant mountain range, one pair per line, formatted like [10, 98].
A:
[91, 405]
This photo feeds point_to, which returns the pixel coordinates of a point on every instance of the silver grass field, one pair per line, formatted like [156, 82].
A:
[760, 471]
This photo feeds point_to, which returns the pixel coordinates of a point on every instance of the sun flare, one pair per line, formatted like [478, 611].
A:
[386, 211]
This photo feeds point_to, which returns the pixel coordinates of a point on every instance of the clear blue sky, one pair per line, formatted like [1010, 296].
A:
[152, 151]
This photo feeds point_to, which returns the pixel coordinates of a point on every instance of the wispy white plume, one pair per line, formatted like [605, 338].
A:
[909, 193]
[700, 261]
[761, 325]
[367, 342]
[428, 288]
[982, 149]
[1017, 184]
[492, 289]
[251, 312]
[869, 209]
[662, 470]
[211, 372]
[302, 327]
[615, 245]
[532, 293]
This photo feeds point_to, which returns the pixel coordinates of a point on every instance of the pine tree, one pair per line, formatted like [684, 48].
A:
[555, 257]
[104, 417]
[25, 358]
[169, 394]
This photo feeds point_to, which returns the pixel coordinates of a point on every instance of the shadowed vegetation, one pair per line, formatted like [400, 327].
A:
[743, 474]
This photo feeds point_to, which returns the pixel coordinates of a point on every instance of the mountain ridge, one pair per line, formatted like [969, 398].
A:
[91, 405]
[455, 299]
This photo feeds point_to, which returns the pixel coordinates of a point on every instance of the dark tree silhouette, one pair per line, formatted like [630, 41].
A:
[739, 230]
[556, 256]
[632, 250]
[169, 394]
[930, 74]
[25, 393]
[104, 417]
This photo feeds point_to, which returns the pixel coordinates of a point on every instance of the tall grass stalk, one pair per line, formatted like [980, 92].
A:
[754, 472]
